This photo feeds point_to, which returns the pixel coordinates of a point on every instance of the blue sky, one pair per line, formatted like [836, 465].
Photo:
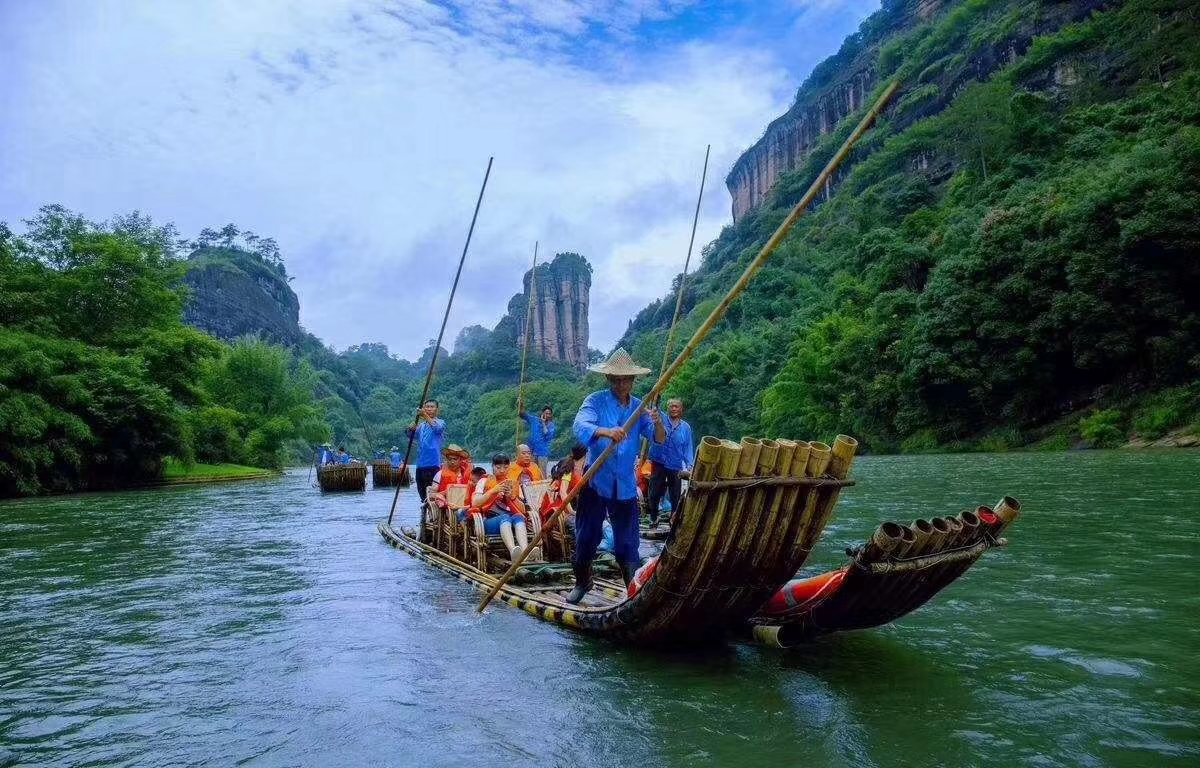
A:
[356, 132]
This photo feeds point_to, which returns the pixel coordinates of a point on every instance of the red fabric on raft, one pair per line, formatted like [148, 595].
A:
[642, 576]
[800, 591]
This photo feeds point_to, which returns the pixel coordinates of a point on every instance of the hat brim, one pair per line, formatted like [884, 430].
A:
[618, 370]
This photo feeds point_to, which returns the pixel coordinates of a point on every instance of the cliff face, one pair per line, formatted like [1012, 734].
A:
[560, 310]
[233, 294]
[842, 84]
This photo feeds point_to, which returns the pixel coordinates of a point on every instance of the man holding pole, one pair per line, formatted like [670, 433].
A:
[541, 433]
[612, 491]
[671, 460]
[428, 434]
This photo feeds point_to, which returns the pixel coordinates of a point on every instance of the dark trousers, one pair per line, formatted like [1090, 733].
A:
[424, 478]
[662, 480]
[590, 511]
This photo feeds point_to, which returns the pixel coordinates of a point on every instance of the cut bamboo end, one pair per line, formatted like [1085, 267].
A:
[940, 536]
[751, 446]
[707, 455]
[956, 532]
[818, 459]
[783, 457]
[888, 537]
[766, 457]
[922, 529]
[1007, 510]
[842, 456]
[727, 464]
[800, 459]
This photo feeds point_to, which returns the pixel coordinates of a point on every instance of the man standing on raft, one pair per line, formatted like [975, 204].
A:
[613, 490]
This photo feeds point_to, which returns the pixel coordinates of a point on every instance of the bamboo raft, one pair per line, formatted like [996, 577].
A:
[747, 523]
[342, 477]
[383, 476]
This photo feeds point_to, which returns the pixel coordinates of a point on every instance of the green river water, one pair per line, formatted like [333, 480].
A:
[263, 623]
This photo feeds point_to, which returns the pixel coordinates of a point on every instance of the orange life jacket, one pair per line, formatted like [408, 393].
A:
[490, 482]
[453, 477]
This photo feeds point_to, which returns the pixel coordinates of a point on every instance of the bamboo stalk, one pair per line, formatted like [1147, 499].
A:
[714, 317]
[525, 346]
[438, 345]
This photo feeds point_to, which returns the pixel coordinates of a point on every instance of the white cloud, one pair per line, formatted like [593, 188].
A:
[356, 134]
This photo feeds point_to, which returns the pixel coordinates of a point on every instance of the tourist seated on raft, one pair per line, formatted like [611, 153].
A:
[571, 469]
[343, 457]
[499, 502]
[524, 471]
[453, 472]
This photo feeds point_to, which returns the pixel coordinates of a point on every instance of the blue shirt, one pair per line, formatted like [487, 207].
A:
[344, 459]
[396, 459]
[429, 442]
[326, 456]
[677, 452]
[616, 479]
[540, 437]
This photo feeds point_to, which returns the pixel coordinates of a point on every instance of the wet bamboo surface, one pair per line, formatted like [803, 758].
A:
[342, 477]
[900, 569]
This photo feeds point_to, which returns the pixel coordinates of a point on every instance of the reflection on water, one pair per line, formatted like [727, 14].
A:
[266, 623]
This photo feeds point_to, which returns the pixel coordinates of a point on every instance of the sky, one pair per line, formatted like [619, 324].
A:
[356, 133]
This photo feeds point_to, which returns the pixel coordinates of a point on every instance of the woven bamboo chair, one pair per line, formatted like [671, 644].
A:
[561, 544]
[452, 534]
[429, 519]
[479, 545]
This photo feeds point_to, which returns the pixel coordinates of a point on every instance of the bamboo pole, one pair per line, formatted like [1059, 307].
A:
[679, 297]
[438, 345]
[525, 346]
[710, 322]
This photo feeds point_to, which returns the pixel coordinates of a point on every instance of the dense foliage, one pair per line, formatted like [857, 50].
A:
[1025, 253]
[100, 379]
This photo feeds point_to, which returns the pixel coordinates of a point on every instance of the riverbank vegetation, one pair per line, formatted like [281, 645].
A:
[1021, 267]
[100, 380]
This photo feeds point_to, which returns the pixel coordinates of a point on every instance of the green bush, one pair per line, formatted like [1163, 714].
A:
[1102, 429]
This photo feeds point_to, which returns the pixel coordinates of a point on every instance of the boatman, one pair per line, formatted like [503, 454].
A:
[396, 458]
[428, 434]
[612, 492]
[326, 454]
[541, 434]
[671, 460]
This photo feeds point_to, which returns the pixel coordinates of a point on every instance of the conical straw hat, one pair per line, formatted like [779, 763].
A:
[619, 363]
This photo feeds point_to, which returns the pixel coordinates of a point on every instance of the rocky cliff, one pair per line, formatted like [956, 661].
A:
[843, 84]
[560, 310]
[234, 293]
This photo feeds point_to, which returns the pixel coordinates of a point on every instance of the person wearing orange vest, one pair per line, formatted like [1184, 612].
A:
[524, 471]
[453, 472]
[499, 501]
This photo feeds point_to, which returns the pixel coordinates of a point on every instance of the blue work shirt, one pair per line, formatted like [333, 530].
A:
[540, 436]
[429, 442]
[326, 456]
[616, 479]
[397, 457]
[677, 451]
[346, 459]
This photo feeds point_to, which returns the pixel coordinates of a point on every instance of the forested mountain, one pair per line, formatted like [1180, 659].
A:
[1011, 254]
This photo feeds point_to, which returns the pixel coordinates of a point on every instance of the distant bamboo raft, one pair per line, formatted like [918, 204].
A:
[900, 569]
[342, 477]
[747, 523]
[383, 476]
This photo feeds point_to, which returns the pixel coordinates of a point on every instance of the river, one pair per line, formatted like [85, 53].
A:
[263, 623]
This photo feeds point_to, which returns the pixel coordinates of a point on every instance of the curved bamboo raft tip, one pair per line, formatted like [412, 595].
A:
[898, 570]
